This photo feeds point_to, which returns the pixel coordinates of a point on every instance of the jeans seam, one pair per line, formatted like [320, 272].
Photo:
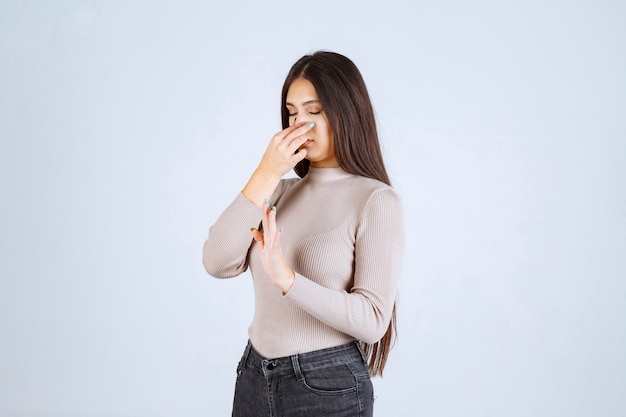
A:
[361, 378]
[268, 388]
[359, 346]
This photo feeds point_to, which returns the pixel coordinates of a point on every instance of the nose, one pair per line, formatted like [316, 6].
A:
[304, 119]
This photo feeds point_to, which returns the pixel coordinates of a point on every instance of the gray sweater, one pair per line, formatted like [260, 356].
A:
[342, 235]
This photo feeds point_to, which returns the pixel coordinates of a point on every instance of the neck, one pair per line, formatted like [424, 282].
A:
[326, 173]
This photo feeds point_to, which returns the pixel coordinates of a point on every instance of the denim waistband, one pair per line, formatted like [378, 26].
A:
[348, 353]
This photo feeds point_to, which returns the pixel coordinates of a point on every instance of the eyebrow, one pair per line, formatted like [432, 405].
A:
[306, 103]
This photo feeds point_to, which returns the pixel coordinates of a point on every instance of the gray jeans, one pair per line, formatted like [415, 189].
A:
[327, 382]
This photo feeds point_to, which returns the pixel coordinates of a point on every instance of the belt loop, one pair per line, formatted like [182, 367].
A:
[246, 352]
[360, 348]
[295, 362]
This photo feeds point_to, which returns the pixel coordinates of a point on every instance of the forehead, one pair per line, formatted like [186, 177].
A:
[300, 91]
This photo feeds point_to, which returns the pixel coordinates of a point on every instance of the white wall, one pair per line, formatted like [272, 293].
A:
[126, 127]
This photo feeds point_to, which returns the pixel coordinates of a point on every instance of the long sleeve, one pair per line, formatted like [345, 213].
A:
[226, 249]
[365, 309]
[342, 236]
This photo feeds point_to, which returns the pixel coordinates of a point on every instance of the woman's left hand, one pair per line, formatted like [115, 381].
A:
[271, 253]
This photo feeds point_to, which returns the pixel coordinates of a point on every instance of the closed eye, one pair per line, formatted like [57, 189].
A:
[311, 112]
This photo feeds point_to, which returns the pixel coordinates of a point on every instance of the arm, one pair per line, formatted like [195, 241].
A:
[365, 310]
[226, 249]
[279, 158]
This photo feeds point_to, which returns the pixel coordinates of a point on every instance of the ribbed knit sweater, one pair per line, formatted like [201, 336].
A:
[342, 236]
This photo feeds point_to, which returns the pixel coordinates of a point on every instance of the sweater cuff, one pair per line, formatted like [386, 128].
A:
[238, 218]
[298, 290]
[246, 209]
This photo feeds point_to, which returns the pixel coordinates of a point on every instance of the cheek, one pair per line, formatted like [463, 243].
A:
[330, 136]
[328, 130]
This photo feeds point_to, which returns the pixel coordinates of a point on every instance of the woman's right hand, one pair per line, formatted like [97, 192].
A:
[282, 154]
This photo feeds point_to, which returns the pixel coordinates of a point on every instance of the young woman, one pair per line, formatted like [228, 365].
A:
[325, 251]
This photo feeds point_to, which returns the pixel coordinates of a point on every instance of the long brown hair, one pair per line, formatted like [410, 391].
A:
[345, 100]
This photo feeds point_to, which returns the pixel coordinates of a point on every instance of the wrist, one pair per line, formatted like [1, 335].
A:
[260, 186]
[266, 175]
[286, 283]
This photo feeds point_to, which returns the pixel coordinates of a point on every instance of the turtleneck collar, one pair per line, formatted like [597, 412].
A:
[327, 174]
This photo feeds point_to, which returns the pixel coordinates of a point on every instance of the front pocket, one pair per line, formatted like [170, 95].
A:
[334, 380]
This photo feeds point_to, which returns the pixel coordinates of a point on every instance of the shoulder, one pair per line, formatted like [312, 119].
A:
[284, 185]
[375, 192]
[380, 213]
[287, 183]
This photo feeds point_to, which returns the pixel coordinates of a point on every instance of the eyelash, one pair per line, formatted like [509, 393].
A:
[311, 112]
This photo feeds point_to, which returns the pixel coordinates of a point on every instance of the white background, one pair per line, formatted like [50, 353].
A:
[126, 127]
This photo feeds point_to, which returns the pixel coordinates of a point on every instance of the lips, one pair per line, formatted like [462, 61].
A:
[305, 144]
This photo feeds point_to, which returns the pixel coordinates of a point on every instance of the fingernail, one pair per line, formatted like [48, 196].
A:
[274, 209]
[267, 203]
[252, 229]
[311, 124]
